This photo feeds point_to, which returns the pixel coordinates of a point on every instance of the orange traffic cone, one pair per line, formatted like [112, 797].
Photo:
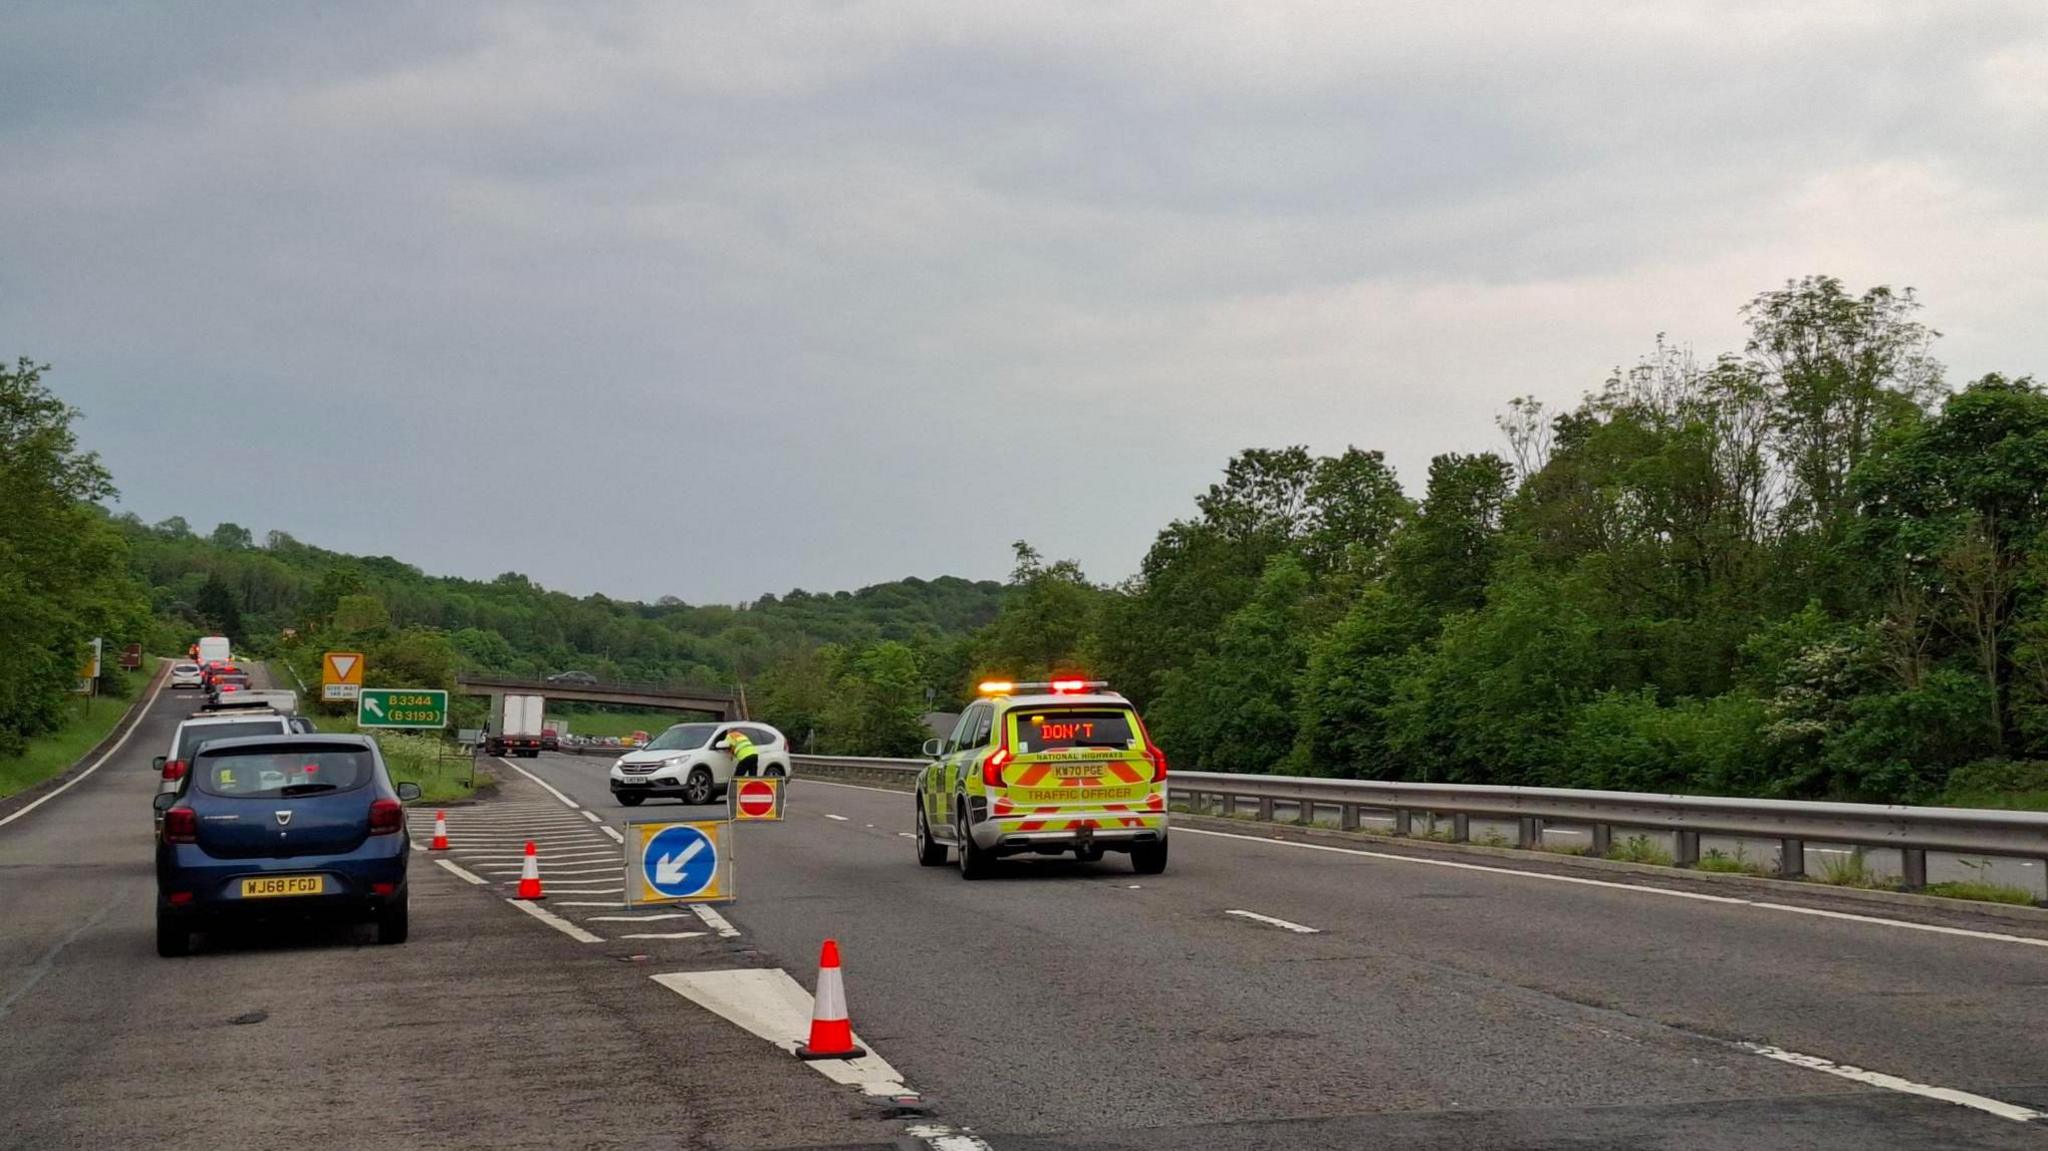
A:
[831, 1030]
[529, 875]
[440, 832]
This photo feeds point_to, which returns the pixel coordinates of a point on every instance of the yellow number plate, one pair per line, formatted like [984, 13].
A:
[283, 885]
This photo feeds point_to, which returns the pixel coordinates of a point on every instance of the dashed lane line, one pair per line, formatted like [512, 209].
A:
[1582, 881]
[608, 829]
[840, 818]
[1996, 1107]
[555, 921]
[459, 873]
[637, 918]
[1270, 921]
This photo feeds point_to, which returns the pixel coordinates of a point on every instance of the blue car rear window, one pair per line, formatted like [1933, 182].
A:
[274, 773]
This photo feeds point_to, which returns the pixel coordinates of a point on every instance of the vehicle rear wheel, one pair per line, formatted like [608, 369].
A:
[1149, 858]
[697, 788]
[394, 923]
[974, 862]
[930, 852]
[627, 799]
[173, 939]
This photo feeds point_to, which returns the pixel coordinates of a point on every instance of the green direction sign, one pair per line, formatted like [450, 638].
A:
[401, 707]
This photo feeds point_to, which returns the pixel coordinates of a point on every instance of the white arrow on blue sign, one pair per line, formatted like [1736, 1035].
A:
[680, 862]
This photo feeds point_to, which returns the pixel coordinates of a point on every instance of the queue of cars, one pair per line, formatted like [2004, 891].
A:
[261, 818]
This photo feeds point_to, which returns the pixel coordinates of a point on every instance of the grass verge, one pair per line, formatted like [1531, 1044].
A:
[1640, 849]
[420, 759]
[1714, 859]
[86, 723]
[1983, 892]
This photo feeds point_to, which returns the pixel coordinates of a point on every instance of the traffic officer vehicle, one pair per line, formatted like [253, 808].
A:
[693, 762]
[1047, 769]
[289, 827]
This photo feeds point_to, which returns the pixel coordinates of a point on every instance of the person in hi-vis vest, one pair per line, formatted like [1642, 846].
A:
[744, 758]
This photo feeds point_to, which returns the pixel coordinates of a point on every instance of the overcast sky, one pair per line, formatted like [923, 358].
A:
[716, 300]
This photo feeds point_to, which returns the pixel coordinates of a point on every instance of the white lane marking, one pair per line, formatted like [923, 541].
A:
[613, 832]
[554, 871]
[716, 922]
[940, 1137]
[573, 889]
[853, 786]
[770, 1004]
[555, 921]
[1698, 896]
[1296, 928]
[593, 816]
[1893, 1083]
[566, 801]
[906, 835]
[840, 818]
[564, 855]
[120, 743]
[663, 935]
[638, 918]
[464, 876]
[588, 903]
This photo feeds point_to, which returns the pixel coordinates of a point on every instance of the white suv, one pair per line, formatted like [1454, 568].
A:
[690, 762]
[205, 729]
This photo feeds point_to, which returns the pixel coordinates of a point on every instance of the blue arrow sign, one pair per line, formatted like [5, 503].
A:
[680, 861]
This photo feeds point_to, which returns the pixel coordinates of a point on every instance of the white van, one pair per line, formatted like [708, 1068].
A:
[214, 648]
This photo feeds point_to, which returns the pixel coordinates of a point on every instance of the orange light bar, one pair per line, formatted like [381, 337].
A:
[997, 687]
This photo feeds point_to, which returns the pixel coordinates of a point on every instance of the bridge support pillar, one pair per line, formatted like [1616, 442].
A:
[1685, 851]
[1791, 858]
[1404, 821]
[1913, 868]
[1603, 839]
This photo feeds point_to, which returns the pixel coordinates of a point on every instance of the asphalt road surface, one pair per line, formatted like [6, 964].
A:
[1259, 994]
[488, 1029]
[1065, 1005]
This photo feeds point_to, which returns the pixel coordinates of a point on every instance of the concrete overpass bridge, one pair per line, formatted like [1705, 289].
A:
[716, 702]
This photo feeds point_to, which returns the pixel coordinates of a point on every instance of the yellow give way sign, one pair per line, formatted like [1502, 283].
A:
[341, 675]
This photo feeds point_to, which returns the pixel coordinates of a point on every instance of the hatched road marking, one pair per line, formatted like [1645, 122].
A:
[555, 921]
[716, 922]
[464, 876]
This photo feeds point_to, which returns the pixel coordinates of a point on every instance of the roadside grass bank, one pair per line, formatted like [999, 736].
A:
[86, 723]
[421, 759]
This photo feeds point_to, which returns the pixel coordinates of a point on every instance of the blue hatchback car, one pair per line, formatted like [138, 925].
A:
[282, 827]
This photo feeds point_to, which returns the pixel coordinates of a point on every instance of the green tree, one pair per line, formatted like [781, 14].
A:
[232, 537]
[219, 609]
[1047, 622]
[356, 614]
[63, 566]
[878, 705]
[1446, 556]
[1234, 710]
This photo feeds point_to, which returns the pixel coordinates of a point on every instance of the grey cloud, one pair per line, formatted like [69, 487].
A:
[835, 270]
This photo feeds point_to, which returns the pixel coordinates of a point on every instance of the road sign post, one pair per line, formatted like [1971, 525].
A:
[341, 675]
[401, 707]
[757, 800]
[679, 862]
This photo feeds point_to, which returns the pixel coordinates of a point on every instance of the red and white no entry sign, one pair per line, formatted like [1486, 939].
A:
[758, 799]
